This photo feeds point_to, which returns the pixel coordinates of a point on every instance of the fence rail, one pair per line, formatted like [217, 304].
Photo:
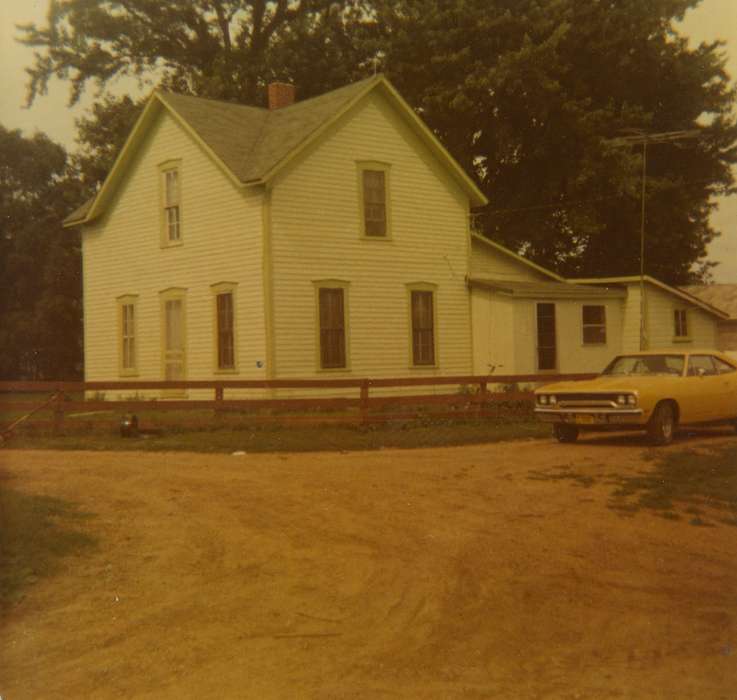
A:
[473, 397]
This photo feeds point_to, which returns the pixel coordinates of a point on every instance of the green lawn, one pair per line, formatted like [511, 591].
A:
[292, 438]
[35, 533]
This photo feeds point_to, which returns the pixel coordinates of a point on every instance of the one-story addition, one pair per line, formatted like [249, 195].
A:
[327, 238]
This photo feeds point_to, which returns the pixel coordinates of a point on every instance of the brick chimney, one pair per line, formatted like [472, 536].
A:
[280, 95]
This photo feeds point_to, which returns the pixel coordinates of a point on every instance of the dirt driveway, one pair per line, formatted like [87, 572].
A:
[498, 571]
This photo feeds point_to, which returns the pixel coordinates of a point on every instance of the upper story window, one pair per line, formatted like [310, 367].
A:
[680, 323]
[594, 324]
[171, 203]
[374, 195]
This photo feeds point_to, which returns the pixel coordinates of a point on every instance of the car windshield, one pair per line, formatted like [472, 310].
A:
[646, 365]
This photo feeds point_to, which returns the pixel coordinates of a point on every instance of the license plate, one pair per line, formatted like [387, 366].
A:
[584, 420]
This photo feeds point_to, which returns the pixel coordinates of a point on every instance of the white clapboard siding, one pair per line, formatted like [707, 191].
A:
[514, 334]
[316, 235]
[727, 335]
[491, 263]
[221, 234]
[702, 326]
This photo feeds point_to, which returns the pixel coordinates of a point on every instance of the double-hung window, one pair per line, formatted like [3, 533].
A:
[374, 197]
[128, 360]
[171, 203]
[422, 317]
[331, 302]
[680, 323]
[594, 325]
[224, 310]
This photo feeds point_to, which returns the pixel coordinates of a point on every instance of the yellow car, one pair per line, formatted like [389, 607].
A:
[655, 391]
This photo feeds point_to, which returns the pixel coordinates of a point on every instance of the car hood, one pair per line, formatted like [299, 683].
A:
[609, 384]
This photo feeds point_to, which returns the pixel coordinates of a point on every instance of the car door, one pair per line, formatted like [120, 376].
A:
[703, 391]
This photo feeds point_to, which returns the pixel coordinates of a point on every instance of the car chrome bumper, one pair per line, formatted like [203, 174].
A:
[591, 416]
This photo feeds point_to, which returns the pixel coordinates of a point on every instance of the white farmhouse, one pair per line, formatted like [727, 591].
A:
[325, 238]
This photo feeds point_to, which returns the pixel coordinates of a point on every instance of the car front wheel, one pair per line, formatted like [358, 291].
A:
[662, 425]
[563, 432]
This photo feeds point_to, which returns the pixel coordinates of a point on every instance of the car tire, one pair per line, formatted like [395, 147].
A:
[563, 432]
[662, 425]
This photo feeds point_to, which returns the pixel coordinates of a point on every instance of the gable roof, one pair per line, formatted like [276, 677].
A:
[477, 238]
[252, 144]
[635, 279]
[723, 296]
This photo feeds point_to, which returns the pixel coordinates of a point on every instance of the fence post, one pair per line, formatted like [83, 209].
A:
[219, 392]
[364, 401]
[58, 412]
[482, 398]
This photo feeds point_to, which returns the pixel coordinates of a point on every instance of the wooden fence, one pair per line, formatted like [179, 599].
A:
[473, 397]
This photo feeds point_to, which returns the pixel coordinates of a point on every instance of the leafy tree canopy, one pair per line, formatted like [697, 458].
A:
[213, 48]
[527, 94]
[41, 306]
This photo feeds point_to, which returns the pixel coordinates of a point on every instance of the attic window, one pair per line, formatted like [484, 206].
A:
[172, 212]
[374, 197]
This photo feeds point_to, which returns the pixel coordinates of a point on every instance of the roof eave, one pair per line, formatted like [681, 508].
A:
[519, 258]
[137, 134]
[123, 157]
[562, 290]
[475, 195]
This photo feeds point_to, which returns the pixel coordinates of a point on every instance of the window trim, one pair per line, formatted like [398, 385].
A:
[332, 284]
[121, 302]
[216, 290]
[422, 287]
[585, 325]
[361, 167]
[681, 338]
[172, 294]
[165, 167]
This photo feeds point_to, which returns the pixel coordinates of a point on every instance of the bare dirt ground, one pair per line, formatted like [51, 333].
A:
[504, 570]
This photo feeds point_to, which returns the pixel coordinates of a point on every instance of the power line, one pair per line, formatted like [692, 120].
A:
[565, 203]
[636, 138]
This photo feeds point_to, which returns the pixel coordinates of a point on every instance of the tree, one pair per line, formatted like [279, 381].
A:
[101, 134]
[211, 48]
[529, 93]
[40, 336]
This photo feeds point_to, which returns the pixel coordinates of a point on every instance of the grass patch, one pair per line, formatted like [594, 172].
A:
[698, 486]
[274, 438]
[695, 482]
[35, 533]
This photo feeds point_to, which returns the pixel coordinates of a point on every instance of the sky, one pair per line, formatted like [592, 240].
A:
[713, 19]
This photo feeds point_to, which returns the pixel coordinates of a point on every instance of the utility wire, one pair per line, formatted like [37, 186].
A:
[573, 202]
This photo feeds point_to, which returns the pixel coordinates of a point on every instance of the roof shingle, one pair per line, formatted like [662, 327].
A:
[252, 140]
